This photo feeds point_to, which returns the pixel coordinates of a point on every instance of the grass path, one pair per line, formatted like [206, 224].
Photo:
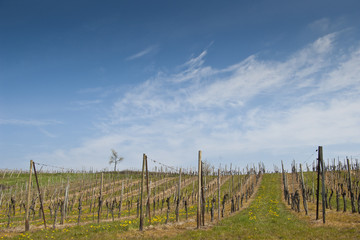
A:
[268, 218]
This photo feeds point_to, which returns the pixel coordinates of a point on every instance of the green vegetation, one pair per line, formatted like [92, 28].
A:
[267, 217]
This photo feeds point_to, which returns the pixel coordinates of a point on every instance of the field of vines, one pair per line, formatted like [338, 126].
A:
[329, 191]
[316, 199]
[58, 198]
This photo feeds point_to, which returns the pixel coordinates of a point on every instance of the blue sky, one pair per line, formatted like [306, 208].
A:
[243, 81]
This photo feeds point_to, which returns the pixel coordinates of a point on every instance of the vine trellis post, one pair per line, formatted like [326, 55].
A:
[27, 225]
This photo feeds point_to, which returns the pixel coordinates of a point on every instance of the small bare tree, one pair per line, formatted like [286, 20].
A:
[115, 159]
[206, 168]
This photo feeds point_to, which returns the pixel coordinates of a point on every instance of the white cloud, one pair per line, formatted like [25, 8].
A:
[333, 123]
[345, 76]
[141, 53]
[47, 133]
[321, 25]
[30, 122]
[250, 107]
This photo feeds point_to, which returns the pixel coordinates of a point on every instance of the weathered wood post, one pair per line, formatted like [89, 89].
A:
[121, 197]
[168, 210]
[284, 181]
[199, 193]
[322, 182]
[27, 226]
[147, 191]
[154, 199]
[232, 181]
[313, 185]
[318, 183]
[80, 209]
[193, 192]
[141, 225]
[202, 197]
[218, 183]
[56, 208]
[303, 190]
[350, 187]
[40, 197]
[65, 203]
[178, 197]
[100, 197]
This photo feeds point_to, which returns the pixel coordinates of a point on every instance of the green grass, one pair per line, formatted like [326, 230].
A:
[90, 231]
[266, 218]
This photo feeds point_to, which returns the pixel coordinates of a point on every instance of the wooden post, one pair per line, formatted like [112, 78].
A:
[56, 207]
[193, 194]
[202, 197]
[313, 185]
[199, 192]
[65, 204]
[239, 179]
[121, 197]
[232, 181]
[147, 190]
[303, 190]
[40, 198]
[100, 197]
[322, 182]
[154, 207]
[27, 226]
[350, 188]
[178, 198]
[284, 180]
[141, 225]
[79, 208]
[318, 183]
[218, 181]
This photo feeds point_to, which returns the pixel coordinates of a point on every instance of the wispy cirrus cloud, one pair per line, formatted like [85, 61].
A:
[142, 53]
[309, 98]
[320, 25]
[47, 133]
[29, 122]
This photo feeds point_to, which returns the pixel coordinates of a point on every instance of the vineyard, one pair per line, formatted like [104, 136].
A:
[331, 190]
[50, 202]
[59, 198]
